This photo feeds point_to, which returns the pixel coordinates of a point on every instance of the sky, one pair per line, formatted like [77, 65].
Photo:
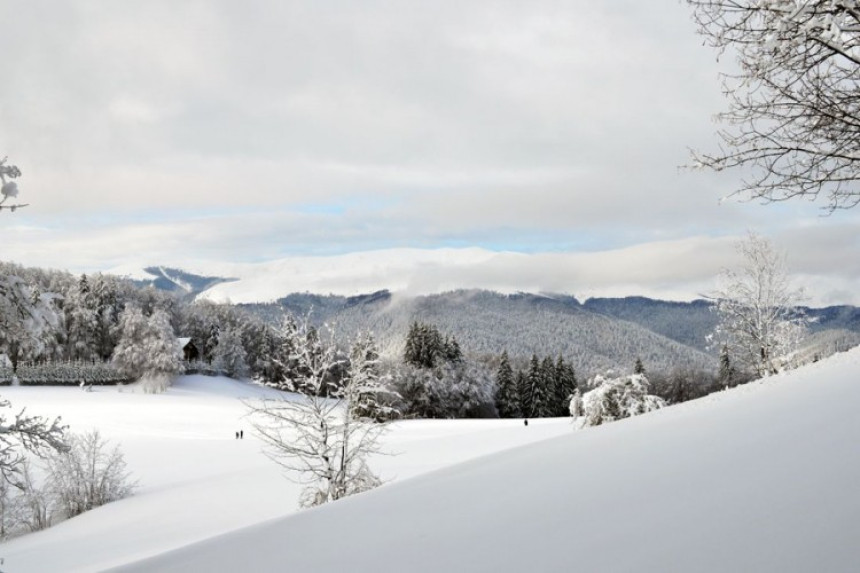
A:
[183, 133]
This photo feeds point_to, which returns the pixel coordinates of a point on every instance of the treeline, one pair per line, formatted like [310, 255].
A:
[543, 389]
[51, 321]
[54, 317]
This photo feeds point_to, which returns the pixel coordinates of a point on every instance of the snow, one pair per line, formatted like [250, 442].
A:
[759, 478]
[195, 479]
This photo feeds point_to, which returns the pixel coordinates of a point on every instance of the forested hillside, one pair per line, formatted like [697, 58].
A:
[598, 334]
[487, 323]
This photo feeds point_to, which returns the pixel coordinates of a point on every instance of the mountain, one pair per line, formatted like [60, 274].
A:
[487, 323]
[686, 322]
[187, 284]
[595, 335]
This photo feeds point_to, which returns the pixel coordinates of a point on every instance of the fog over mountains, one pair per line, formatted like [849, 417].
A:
[624, 272]
[594, 334]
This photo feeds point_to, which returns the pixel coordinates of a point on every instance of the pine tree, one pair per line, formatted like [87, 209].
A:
[727, 371]
[507, 395]
[522, 383]
[81, 321]
[535, 396]
[565, 386]
[411, 352]
[427, 348]
[452, 350]
[543, 392]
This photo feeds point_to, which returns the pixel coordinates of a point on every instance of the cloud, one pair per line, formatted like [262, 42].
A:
[217, 131]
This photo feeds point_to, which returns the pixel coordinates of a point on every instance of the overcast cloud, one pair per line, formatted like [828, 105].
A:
[185, 132]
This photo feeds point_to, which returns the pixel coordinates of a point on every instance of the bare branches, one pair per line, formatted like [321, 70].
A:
[323, 435]
[760, 323]
[794, 105]
[26, 433]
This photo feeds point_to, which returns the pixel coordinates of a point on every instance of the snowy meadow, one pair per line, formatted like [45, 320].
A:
[196, 480]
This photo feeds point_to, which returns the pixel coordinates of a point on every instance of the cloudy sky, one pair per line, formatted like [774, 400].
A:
[181, 133]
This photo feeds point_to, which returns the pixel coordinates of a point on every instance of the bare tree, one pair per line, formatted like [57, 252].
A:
[88, 474]
[319, 434]
[760, 322]
[9, 189]
[793, 120]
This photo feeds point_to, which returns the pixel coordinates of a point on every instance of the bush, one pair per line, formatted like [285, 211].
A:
[613, 399]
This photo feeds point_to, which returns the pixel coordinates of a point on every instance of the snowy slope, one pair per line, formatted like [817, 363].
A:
[198, 481]
[762, 478]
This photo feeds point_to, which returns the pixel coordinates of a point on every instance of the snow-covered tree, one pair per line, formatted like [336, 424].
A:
[82, 321]
[612, 399]
[230, 355]
[317, 435]
[794, 104]
[507, 393]
[760, 323]
[148, 348]
[27, 319]
[450, 390]
[522, 381]
[367, 390]
[565, 386]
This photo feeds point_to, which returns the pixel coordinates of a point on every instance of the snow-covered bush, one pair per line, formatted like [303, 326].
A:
[613, 399]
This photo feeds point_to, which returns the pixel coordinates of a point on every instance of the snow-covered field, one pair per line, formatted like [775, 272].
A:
[761, 478]
[196, 480]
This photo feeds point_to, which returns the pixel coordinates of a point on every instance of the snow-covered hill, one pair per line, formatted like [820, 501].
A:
[759, 478]
[762, 478]
[196, 480]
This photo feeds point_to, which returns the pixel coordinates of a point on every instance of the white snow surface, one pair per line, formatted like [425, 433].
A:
[759, 478]
[196, 480]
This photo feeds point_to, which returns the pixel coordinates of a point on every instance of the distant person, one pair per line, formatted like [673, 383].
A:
[237, 435]
[241, 434]
[526, 422]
